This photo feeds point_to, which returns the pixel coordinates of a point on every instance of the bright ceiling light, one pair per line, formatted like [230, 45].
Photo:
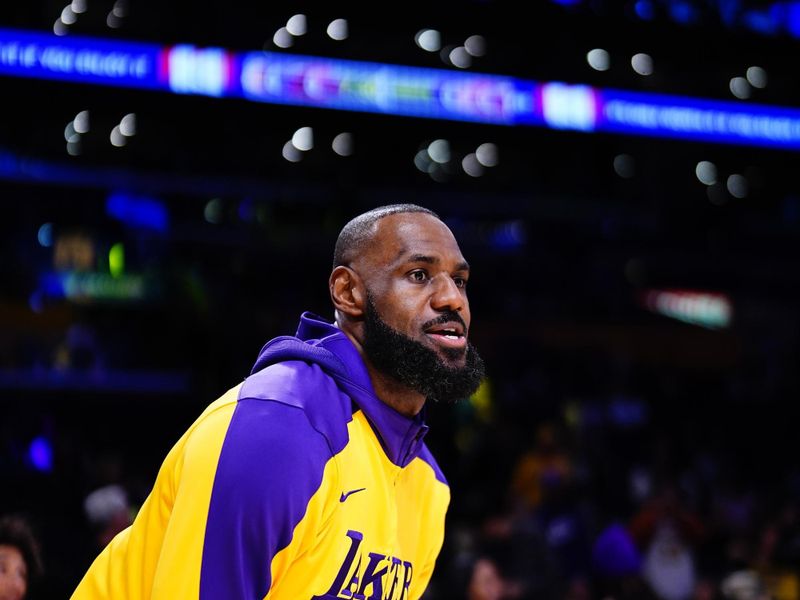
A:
[429, 39]
[297, 25]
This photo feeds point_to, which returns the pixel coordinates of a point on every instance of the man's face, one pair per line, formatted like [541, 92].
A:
[417, 314]
[417, 278]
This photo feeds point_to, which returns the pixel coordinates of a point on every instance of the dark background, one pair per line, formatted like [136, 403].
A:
[561, 248]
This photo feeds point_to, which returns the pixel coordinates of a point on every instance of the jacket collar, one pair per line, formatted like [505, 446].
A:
[400, 436]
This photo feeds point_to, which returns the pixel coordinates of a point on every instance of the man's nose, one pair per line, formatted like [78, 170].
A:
[447, 295]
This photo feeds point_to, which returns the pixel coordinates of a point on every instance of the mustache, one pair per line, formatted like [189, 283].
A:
[446, 317]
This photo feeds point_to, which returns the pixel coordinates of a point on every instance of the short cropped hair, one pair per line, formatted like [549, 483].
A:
[16, 532]
[355, 235]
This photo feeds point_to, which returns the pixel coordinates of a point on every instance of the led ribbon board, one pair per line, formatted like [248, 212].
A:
[82, 60]
[279, 78]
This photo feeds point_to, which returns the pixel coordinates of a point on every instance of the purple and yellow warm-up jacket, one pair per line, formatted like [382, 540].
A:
[298, 483]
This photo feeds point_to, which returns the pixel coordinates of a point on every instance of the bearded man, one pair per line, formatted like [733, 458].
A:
[310, 479]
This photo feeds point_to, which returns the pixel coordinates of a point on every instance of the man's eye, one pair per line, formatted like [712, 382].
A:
[460, 282]
[419, 276]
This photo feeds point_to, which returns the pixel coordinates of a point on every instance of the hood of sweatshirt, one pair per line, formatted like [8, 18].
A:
[320, 342]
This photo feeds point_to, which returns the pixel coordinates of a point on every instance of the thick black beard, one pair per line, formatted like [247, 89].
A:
[417, 367]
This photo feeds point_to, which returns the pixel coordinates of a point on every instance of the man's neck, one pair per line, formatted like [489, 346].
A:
[396, 395]
[405, 401]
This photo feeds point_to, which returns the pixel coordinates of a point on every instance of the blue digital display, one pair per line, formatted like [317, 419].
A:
[278, 78]
[81, 59]
[389, 89]
[698, 119]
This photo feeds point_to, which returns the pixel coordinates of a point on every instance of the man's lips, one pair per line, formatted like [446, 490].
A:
[449, 334]
[450, 341]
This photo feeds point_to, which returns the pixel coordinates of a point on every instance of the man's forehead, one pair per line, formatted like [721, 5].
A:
[406, 235]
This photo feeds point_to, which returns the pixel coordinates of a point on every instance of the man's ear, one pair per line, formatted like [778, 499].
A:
[348, 293]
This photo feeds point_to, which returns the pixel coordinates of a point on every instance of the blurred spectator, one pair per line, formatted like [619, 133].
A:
[669, 564]
[778, 555]
[617, 566]
[109, 512]
[20, 558]
[486, 582]
[614, 553]
[544, 536]
[744, 585]
[669, 533]
[546, 466]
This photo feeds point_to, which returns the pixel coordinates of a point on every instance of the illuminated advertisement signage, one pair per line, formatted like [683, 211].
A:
[390, 89]
[696, 119]
[83, 60]
[279, 78]
[707, 309]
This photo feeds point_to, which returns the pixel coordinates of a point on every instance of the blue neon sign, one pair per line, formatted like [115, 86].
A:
[278, 78]
[80, 59]
[697, 119]
[389, 89]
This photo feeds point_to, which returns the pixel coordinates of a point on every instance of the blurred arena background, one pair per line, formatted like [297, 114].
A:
[622, 176]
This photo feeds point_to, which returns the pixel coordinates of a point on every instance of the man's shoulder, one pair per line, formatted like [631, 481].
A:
[292, 382]
[298, 385]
